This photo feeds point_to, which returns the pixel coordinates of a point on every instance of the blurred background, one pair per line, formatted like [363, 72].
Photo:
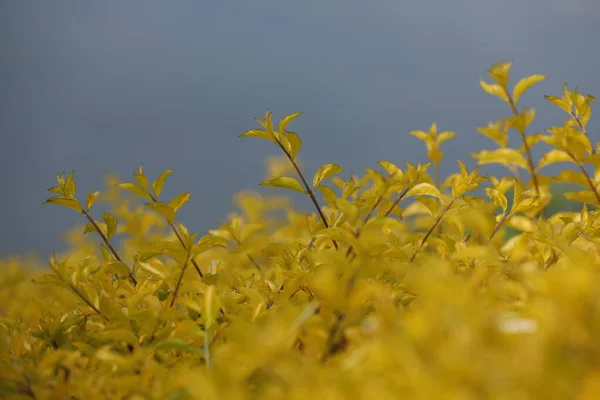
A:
[100, 87]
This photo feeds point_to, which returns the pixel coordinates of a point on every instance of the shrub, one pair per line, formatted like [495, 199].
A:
[397, 285]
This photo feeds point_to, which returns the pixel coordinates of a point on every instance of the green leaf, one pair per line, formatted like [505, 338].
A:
[111, 225]
[284, 182]
[163, 209]
[524, 84]
[157, 185]
[91, 199]
[132, 187]
[326, 171]
[179, 201]
[286, 120]
[65, 202]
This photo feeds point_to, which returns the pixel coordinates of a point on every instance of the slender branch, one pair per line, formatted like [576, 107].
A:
[81, 296]
[107, 242]
[430, 231]
[583, 130]
[587, 177]
[310, 192]
[182, 242]
[527, 151]
[178, 285]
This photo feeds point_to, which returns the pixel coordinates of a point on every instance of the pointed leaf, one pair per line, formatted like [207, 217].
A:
[525, 84]
[295, 143]
[494, 89]
[424, 189]
[157, 185]
[258, 133]
[284, 182]
[163, 209]
[65, 202]
[70, 185]
[554, 156]
[179, 201]
[132, 187]
[111, 225]
[91, 199]
[141, 178]
[326, 171]
[286, 121]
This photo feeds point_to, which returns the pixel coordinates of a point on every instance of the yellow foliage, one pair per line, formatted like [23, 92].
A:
[396, 285]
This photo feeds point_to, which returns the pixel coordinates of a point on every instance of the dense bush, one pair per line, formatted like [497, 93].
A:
[398, 285]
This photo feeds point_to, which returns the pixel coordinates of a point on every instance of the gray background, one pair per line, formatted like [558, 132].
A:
[100, 86]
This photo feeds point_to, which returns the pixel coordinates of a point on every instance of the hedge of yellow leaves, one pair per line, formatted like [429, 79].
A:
[397, 285]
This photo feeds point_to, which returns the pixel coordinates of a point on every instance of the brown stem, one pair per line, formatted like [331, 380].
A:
[587, 177]
[583, 130]
[182, 242]
[430, 231]
[81, 296]
[178, 285]
[107, 242]
[527, 151]
[310, 192]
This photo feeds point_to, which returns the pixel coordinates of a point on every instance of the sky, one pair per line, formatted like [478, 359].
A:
[100, 87]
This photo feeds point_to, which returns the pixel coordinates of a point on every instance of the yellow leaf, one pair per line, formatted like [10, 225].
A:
[70, 186]
[325, 172]
[117, 267]
[111, 225]
[89, 227]
[494, 89]
[141, 178]
[499, 198]
[504, 156]
[421, 135]
[295, 143]
[495, 131]
[179, 201]
[284, 182]
[560, 103]
[392, 169]
[444, 136]
[65, 202]
[163, 209]
[554, 156]
[571, 177]
[525, 84]
[91, 199]
[286, 121]
[132, 187]
[584, 196]
[424, 189]
[348, 208]
[157, 185]
[258, 133]
[338, 234]
[500, 72]
[328, 193]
